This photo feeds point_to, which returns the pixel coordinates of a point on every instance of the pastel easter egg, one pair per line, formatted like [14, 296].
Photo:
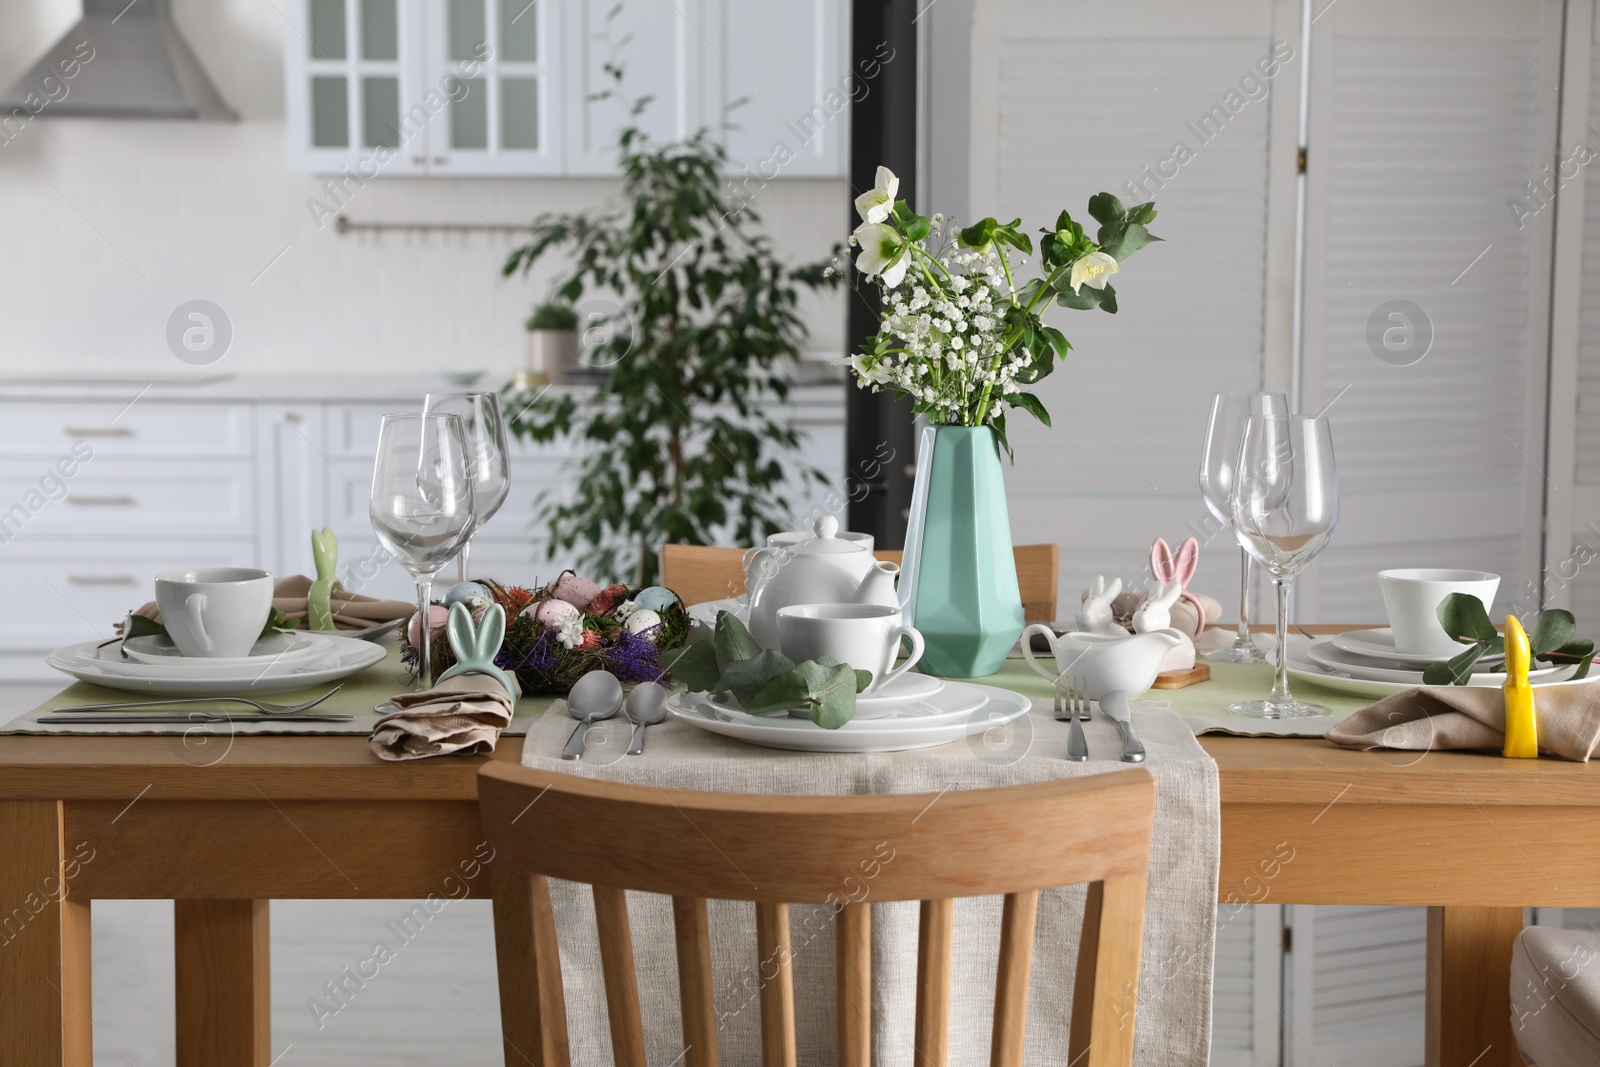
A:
[465, 593]
[641, 620]
[579, 592]
[655, 598]
[552, 613]
[437, 617]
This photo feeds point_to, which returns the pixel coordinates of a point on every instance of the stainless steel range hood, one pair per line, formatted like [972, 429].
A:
[126, 60]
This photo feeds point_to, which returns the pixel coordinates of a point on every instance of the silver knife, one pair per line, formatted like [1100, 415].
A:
[1115, 705]
[198, 718]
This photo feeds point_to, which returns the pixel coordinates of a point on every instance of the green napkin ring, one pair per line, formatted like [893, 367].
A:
[476, 648]
[319, 600]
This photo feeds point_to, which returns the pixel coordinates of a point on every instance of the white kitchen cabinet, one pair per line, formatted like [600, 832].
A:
[478, 88]
[101, 490]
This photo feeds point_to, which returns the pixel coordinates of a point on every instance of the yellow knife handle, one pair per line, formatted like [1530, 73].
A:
[1522, 725]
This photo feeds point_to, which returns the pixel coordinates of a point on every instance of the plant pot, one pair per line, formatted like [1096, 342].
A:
[958, 582]
[552, 353]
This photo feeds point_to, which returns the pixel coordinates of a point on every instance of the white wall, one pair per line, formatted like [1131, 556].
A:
[108, 226]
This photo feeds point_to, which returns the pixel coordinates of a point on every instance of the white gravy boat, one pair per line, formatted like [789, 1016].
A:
[1106, 662]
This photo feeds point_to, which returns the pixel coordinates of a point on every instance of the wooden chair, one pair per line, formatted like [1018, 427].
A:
[775, 851]
[699, 573]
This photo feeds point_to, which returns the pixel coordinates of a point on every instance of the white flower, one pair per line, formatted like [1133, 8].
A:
[1093, 270]
[873, 375]
[883, 253]
[877, 203]
[626, 608]
[570, 633]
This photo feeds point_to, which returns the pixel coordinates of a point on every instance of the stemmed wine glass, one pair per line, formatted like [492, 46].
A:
[488, 467]
[1285, 506]
[422, 504]
[1224, 432]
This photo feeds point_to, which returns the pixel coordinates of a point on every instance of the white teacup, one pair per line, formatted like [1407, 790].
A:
[1412, 597]
[866, 636]
[214, 612]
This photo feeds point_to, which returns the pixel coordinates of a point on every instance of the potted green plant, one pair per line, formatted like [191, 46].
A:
[686, 439]
[552, 342]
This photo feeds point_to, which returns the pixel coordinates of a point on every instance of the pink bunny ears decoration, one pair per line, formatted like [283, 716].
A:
[1166, 567]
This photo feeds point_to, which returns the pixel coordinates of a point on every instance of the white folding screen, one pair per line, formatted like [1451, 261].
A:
[1426, 118]
[1068, 100]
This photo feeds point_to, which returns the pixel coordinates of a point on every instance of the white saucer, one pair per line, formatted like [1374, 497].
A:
[1000, 706]
[1304, 668]
[947, 702]
[1379, 644]
[1325, 653]
[343, 657]
[280, 646]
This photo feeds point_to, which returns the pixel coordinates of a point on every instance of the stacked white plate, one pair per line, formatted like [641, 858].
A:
[1366, 663]
[279, 663]
[913, 711]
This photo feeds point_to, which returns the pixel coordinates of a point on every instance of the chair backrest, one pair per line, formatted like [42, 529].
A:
[847, 852]
[699, 573]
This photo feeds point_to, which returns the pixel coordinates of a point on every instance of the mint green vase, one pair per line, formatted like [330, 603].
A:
[958, 582]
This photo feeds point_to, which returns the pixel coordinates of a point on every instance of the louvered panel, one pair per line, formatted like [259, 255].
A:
[1588, 422]
[1232, 1000]
[1134, 377]
[1358, 985]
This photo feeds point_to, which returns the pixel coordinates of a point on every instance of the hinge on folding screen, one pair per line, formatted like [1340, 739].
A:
[1288, 939]
[1301, 162]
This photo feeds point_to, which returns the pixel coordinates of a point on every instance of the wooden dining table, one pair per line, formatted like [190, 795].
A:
[1472, 837]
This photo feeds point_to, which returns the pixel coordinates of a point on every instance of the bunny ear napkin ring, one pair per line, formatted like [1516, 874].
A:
[475, 647]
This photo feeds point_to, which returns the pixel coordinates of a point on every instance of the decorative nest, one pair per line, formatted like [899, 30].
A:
[539, 659]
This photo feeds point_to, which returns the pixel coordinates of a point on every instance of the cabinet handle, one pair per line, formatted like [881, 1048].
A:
[292, 418]
[101, 579]
[419, 160]
[97, 431]
[440, 161]
[102, 501]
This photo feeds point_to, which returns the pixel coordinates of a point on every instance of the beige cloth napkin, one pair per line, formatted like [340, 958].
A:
[351, 611]
[1474, 717]
[461, 714]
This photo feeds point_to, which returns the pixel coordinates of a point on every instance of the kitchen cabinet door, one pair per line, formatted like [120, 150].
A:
[353, 88]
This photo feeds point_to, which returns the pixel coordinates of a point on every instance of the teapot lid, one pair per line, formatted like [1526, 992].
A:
[825, 540]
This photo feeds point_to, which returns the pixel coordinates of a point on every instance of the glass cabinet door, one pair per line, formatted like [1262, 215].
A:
[494, 55]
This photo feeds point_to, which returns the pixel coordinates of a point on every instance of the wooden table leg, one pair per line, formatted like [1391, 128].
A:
[1469, 987]
[224, 1002]
[44, 941]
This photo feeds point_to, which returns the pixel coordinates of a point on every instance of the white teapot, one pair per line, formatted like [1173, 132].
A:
[823, 569]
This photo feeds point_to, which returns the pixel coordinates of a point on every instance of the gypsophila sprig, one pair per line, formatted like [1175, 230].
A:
[959, 331]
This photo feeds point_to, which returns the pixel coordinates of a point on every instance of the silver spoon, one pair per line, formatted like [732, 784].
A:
[596, 696]
[645, 706]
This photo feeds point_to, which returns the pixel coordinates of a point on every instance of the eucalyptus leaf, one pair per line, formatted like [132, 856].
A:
[1456, 671]
[1143, 214]
[1553, 629]
[863, 679]
[139, 626]
[732, 641]
[747, 677]
[1463, 617]
[694, 665]
[1106, 208]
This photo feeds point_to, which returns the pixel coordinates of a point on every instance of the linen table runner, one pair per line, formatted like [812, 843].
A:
[1174, 996]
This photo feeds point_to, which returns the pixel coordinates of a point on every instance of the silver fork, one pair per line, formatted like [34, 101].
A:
[263, 706]
[1077, 745]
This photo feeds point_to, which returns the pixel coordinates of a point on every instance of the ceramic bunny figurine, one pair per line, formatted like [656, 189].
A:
[319, 599]
[1095, 616]
[1178, 569]
[476, 646]
[1156, 614]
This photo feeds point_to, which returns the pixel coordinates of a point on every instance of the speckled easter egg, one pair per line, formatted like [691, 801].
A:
[438, 616]
[657, 598]
[466, 593]
[579, 592]
[552, 613]
[642, 620]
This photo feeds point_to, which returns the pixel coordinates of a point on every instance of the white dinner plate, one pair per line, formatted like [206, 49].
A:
[1000, 706]
[1306, 669]
[285, 645]
[1379, 644]
[1327, 655]
[344, 657]
[946, 704]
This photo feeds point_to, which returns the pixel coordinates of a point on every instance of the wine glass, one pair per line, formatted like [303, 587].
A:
[422, 504]
[488, 466]
[1285, 506]
[1224, 432]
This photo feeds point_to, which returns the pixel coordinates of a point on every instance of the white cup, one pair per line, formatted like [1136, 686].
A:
[1412, 597]
[214, 612]
[866, 636]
